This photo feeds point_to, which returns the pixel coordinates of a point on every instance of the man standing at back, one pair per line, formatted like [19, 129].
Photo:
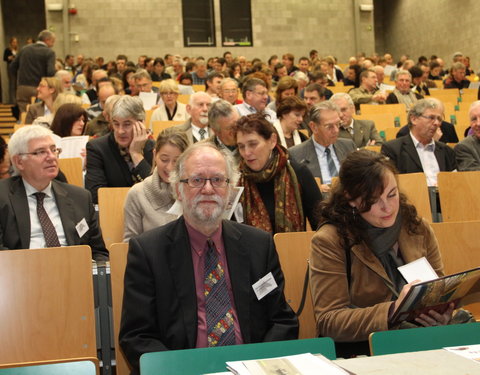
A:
[192, 283]
[32, 63]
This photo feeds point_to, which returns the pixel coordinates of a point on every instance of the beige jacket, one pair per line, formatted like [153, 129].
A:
[351, 315]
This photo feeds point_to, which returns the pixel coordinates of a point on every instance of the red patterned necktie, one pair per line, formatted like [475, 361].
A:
[218, 308]
[51, 238]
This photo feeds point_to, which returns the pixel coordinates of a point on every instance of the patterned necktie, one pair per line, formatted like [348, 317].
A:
[331, 164]
[202, 132]
[51, 238]
[218, 309]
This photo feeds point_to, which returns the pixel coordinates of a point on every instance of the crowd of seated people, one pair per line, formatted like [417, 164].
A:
[284, 128]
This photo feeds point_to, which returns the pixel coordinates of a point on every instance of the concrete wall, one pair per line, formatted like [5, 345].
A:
[427, 27]
[154, 28]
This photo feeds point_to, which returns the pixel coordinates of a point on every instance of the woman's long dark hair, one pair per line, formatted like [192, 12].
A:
[362, 175]
[64, 118]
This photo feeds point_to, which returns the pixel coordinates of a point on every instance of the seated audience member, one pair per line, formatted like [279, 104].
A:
[312, 94]
[435, 71]
[290, 114]
[91, 96]
[128, 82]
[302, 79]
[100, 125]
[289, 61]
[419, 78]
[148, 201]
[236, 72]
[270, 180]
[65, 79]
[321, 79]
[196, 127]
[362, 132]
[185, 79]
[124, 156]
[6, 169]
[467, 152]
[456, 78]
[287, 86]
[403, 92]
[324, 151]
[255, 97]
[333, 72]
[62, 98]
[353, 76]
[104, 90]
[221, 118]
[171, 109]
[367, 230]
[143, 81]
[418, 151]
[165, 310]
[368, 92]
[47, 211]
[212, 84]
[69, 120]
[159, 70]
[279, 71]
[229, 91]
[47, 91]
[199, 76]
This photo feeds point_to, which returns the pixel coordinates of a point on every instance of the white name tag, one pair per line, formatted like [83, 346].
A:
[82, 227]
[264, 286]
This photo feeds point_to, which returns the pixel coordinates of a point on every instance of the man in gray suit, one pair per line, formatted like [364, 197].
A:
[323, 152]
[467, 152]
[196, 127]
[362, 132]
[32, 63]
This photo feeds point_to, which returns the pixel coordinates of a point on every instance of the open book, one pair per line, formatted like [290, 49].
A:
[462, 288]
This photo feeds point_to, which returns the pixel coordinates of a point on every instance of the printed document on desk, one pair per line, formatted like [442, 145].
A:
[467, 351]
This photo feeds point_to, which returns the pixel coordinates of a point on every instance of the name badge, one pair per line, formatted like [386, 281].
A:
[264, 286]
[82, 227]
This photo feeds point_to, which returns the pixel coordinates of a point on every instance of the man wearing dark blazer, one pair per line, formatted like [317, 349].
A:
[361, 132]
[124, 156]
[69, 208]
[167, 304]
[418, 151]
[32, 63]
[325, 123]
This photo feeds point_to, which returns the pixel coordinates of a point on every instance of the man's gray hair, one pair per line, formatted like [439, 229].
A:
[403, 72]
[128, 107]
[319, 108]
[422, 105]
[61, 73]
[45, 35]
[109, 104]
[18, 143]
[197, 95]
[342, 95]
[457, 66]
[142, 73]
[250, 85]
[219, 109]
[227, 80]
[176, 175]
[474, 105]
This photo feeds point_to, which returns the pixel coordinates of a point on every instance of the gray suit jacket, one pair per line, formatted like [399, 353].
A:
[304, 153]
[467, 153]
[33, 62]
[363, 132]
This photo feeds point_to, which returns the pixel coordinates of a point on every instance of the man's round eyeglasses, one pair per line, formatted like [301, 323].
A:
[199, 182]
[42, 153]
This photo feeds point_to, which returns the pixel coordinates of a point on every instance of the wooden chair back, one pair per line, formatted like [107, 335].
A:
[118, 263]
[47, 304]
[414, 186]
[183, 98]
[294, 251]
[390, 133]
[382, 120]
[397, 110]
[198, 88]
[110, 211]
[460, 250]
[72, 168]
[458, 195]
[159, 126]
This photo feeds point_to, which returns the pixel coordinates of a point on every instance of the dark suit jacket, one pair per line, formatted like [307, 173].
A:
[33, 62]
[107, 168]
[74, 204]
[404, 155]
[186, 128]
[160, 303]
[35, 110]
[363, 132]
[305, 153]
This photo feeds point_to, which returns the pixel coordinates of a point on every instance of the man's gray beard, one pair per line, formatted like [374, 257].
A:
[199, 215]
[203, 120]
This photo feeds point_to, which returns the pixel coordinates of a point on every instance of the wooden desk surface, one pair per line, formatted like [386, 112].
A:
[435, 362]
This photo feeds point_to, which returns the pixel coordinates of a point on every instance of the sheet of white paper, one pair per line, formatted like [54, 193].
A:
[149, 99]
[419, 269]
[233, 202]
[72, 147]
[467, 351]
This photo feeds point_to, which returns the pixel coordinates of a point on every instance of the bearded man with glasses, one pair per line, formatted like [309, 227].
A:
[39, 211]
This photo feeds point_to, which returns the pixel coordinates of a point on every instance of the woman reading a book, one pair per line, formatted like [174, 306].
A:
[367, 230]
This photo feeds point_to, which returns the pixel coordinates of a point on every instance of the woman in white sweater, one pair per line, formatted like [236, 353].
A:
[147, 202]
